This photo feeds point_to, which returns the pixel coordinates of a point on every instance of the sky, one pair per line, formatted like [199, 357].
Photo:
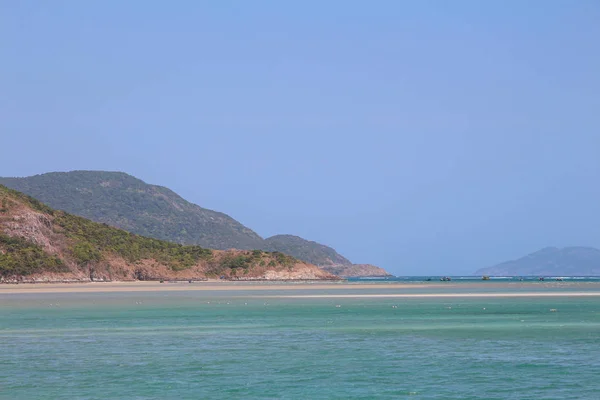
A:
[427, 137]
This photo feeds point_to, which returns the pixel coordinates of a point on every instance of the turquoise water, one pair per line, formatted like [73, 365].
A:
[471, 279]
[227, 345]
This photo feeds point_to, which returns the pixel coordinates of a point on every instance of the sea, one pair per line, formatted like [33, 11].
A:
[255, 344]
[470, 278]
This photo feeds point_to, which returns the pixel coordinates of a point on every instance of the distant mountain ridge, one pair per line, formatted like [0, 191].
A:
[567, 261]
[126, 202]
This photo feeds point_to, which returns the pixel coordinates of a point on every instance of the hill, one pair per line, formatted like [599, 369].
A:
[356, 270]
[323, 256]
[38, 243]
[568, 261]
[123, 201]
[309, 251]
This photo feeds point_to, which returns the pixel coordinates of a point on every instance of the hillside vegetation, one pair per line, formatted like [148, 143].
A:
[309, 251]
[128, 203]
[323, 256]
[125, 202]
[40, 243]
[354, 270]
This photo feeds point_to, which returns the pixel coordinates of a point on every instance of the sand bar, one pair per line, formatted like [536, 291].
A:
[98, 287]
[291, 289]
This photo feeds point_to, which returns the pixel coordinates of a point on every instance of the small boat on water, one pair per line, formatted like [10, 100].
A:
[445, 279]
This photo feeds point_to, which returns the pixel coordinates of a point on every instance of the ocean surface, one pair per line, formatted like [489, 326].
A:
[467, 279]
[247, 344]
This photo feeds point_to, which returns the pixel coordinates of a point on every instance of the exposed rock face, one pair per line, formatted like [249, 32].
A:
[39, 244]
[356, 270]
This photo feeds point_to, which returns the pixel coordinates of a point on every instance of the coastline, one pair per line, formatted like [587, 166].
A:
[290, 289]
[210, 285]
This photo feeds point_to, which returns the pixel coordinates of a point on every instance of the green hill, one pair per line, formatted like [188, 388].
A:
[323, 256]
[553, 261]
[40, 243]
[123, 201]
[312, 252]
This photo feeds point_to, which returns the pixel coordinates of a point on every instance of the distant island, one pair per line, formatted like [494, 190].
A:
[40, 244]
[550, 261]
[123, 201]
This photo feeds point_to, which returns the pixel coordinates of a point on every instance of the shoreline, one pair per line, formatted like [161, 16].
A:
[289, 289]
[216, 285]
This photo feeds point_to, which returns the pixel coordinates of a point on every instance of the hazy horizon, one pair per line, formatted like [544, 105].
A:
[423, 137]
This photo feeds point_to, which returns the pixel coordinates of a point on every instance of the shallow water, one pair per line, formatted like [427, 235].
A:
[225, 344]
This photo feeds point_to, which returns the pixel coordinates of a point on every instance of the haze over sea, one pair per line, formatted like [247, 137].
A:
[274, 341]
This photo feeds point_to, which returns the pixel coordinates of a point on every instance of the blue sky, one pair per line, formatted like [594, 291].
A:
[428, 137]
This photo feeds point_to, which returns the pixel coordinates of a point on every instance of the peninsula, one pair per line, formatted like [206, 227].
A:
[40, 244]
[126, 202]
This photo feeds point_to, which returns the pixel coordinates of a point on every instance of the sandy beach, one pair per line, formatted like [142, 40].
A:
[108, 287]
[320, 289]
